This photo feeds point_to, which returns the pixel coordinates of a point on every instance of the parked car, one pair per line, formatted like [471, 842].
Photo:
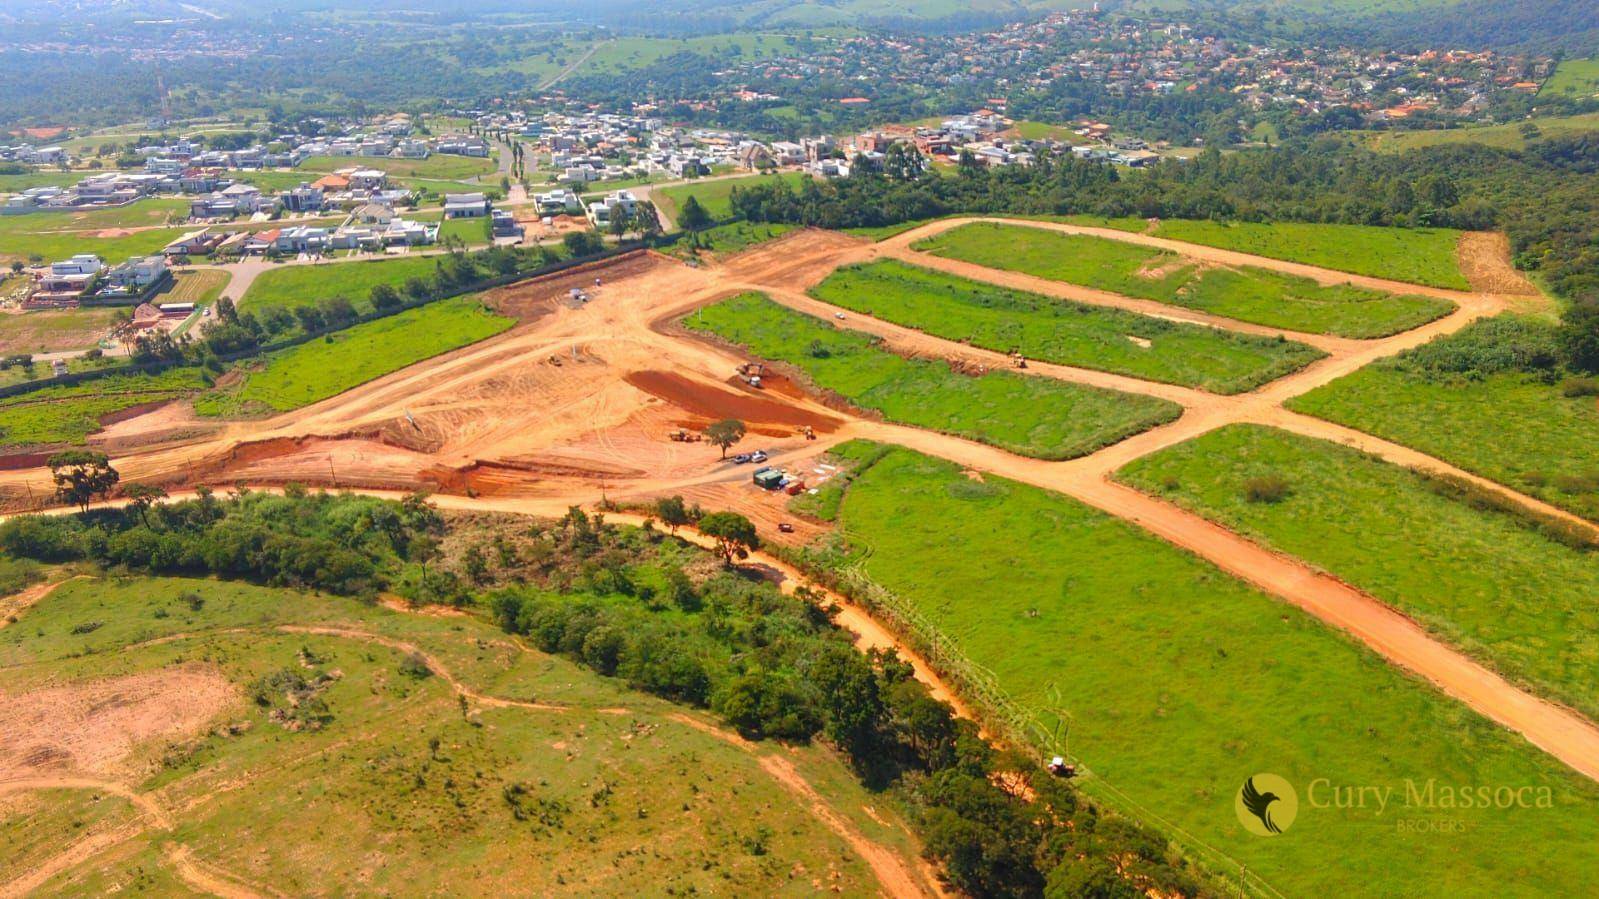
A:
[741, 458]
[785, 527]
[758, 456]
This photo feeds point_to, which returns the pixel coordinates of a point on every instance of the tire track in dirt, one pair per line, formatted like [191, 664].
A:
[892, 875]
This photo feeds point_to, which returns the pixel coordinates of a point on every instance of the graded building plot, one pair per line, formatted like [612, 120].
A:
[1038, 417]
[1171, 683]
[1495, 583]
[330, 365]
[1416, 255]
[1246, 294]
[54, 330]
[544, 761]
[57, 415]
[1488, 399]
[1062, 331]
[303, 285]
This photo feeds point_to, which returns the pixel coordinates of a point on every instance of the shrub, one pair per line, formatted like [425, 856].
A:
[1269, 488]
[1578, 387]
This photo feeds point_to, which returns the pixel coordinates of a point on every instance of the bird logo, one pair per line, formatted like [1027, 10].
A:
[1266, 805]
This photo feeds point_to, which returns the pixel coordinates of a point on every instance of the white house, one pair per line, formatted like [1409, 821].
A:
[619, 202]
[460, 206]
[81, 264]
[138, 273]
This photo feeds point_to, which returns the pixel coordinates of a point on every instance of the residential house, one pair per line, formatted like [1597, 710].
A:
[81, 264]
[559, 202]
[457, 206]
[139, 273]
[619, 203]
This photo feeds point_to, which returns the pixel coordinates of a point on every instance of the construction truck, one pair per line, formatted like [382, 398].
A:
[752, 373]
[683, 435]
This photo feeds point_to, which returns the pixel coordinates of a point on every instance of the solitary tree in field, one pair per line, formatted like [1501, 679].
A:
[672, 512]
[141, 497]
[725, 433]
[734, 534]
[81, 476]
[694, 217]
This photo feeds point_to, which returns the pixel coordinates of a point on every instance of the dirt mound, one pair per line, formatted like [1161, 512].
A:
[92, 726]
[704, 401]
[1485, 261]
[113, 232]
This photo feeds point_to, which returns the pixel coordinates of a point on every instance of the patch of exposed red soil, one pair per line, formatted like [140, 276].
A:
[534, 297]
[714, 403]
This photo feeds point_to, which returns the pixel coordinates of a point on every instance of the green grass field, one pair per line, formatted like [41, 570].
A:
[69, 414]
[1415, 255]
[1508, 426]
[1246, 294]
[1062, 331]
[731, 238]
[1573, 78]
[714, 195]
[58, 235]
[437, 167]
[300, 285]
[1175, 683]
[625, 53]
[1485, 581]
[1038, 417]
[614, 793]
[330, 365]
[38, 178]
[1509, 136]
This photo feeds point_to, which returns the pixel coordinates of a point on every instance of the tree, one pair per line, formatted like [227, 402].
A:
[725, 433]
[583, 243]
[735, 535]
[141, 497]
[384, 296]
[694, 217]
[672, 512]
[82, 475]
[1579, 335]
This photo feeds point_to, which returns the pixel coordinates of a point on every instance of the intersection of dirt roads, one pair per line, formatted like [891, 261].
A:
[576, 403]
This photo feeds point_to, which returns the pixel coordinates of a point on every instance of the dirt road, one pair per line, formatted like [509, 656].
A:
[549, 415]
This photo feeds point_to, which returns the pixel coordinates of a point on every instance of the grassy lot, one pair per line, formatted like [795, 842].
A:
[1509, 136]
[1573, 78]
[1038, 417]
[38, 178]
[1028, 130]
[733, 237]
[1486, 581]
[1416, 255]
[53, 330]
[1062, 331]
[714, 195]
[437, 167]
[1246, 294]
[299, 285]
[57, 235]
[69, 414]
[454, 793]
[328, 366]
[1176, 682]
[200, 286]
[1513, 427]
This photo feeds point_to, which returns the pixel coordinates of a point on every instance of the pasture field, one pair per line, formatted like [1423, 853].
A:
[1038, 417]
[1174, 683]
[1246, 294]
[1062, 331]
[53, 330]
[613, 792]
[438, 166]
[330, 365]
[300, 285]
[714, 195]
[1509, 136]
[1490, 582]
[1515, 427]
[1574, 78]
[626, 53]
[70, 414]
[1415, 255]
